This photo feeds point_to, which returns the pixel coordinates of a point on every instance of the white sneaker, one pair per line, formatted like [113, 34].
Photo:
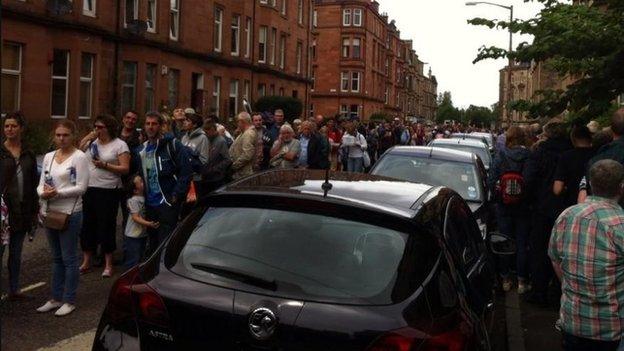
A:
[49, 306]
[65, 310]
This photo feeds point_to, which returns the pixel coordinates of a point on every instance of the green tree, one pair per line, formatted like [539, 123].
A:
[292, 107]
[446, 110]
[478, 115]
[572, 40]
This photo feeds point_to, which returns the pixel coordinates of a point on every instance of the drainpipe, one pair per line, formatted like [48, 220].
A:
[116, 99]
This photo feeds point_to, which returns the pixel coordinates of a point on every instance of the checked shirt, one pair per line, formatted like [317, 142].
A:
[588, 243]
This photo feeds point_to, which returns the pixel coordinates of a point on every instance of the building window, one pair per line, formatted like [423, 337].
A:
[264, 1]
[60, 80]
[273, 3]
[355, 82]
[262, 41]
[151, 16]
[235, 35]
[261, 90]
[299, 56]
[621, 99]
[281, 91]
[344, 81]
[216, 96]
[150, 87]
[283, 9]
[315, 18]
[11, 76]
[314, 49]
[344, 110]
[313, 78]
[131, 11]
[353, 111]
[128, 86]
[282, 49]
[311, 111]
[300, 11]
[86, 85]
[346, 17]
[346, 47]
[88, 7]
[173, 87]
[272, 42]
[174, 31]
[218, 29]
[248, 37]
[272, 90]
[357, 17]
[356, 48]
[386, 94]
[246, 90]
[233, 100]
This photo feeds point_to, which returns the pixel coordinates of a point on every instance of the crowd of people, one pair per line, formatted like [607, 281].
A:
[559, 179]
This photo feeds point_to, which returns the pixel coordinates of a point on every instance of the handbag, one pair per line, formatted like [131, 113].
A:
[57, 220]
[5, 228]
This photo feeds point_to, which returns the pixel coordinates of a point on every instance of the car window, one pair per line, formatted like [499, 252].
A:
[483, 153]
[459, 176]
[308, 256]
[460, 236]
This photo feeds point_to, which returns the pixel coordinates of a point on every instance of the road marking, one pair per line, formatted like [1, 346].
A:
[26, 289]
[78, 342]
[515, 333]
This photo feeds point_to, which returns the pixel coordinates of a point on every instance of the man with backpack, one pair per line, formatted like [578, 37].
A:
[506, 182]
[539, 178]
[167, 171]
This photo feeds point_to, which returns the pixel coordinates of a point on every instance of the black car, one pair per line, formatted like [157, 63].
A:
[286, 260]
[459, 170]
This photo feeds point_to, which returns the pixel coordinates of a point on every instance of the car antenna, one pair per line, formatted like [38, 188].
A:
[327, 186]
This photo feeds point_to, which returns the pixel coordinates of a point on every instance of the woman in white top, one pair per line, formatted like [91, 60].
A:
[110, 159]
[63, 181]
[354, 145]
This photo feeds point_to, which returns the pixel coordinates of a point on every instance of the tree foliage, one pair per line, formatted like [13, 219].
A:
[473, 115]
[446, 111]
[292, 107]
[573, 40]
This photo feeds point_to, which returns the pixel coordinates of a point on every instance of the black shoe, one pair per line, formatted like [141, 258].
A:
[98, 261]
[537, 299]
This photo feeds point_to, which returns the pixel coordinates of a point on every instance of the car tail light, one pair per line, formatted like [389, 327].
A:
[408, 339]
[131, 297]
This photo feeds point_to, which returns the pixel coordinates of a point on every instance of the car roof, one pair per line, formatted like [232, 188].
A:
[437, 153]
[375, 192]
[459, 141]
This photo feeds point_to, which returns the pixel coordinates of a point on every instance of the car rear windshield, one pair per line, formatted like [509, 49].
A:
[302, 255]
[459, 176]
[483, 153]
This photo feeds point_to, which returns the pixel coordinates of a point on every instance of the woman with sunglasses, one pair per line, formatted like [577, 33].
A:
[110, 160]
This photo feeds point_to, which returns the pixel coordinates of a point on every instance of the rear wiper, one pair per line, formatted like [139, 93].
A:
[234, 274]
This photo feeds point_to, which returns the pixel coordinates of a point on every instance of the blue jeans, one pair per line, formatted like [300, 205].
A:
[65, 271]
[516, 225]
[133, 251]
[355, 164]
[16, 243]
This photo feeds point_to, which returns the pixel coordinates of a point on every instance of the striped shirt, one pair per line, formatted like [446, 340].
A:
[587, 242]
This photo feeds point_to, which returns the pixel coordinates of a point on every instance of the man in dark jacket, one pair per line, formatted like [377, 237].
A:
[539, 177]
[167, 172]
[317, 146]
[215, 172]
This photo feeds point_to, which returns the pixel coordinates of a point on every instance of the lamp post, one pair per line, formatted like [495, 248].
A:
[510, 64]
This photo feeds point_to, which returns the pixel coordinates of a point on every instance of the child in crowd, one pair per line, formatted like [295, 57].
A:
[135, 237]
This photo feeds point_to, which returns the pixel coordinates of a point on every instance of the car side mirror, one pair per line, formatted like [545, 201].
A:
[501, 244]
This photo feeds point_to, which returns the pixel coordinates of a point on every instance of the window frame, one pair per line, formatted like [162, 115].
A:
[360, 16]
[234, 83]
[345, 76]
[358, 80]
[66, 79]
[235, 33]
[135, 9]
[283, 8]
[272, 45]
[282, 48]
[92, 12]
[217, 35]
[262, 44]
[216, 95]
[359, 48]
[154, 15]
[13, 72]
[299, 54]
[346, 17]
[89, 80]
[300, 12]
[248, 29]
[346, 47]
[151, 89]
[175, 12]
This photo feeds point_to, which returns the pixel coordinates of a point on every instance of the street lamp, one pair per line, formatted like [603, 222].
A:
[510, 8]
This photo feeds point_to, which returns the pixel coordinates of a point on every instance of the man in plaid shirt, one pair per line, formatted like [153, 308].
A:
[587, 251]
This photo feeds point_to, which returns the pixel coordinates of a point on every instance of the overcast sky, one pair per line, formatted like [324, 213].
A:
[443, 38]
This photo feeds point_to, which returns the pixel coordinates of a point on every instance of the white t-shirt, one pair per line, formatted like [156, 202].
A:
[70, 178]
[355, 145]
[136, 204]
[109, 152]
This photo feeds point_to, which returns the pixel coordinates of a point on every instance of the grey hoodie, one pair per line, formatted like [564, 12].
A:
[507, 159]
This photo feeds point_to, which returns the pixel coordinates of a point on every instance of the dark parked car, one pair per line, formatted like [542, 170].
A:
[459, 170]
[284, 260]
